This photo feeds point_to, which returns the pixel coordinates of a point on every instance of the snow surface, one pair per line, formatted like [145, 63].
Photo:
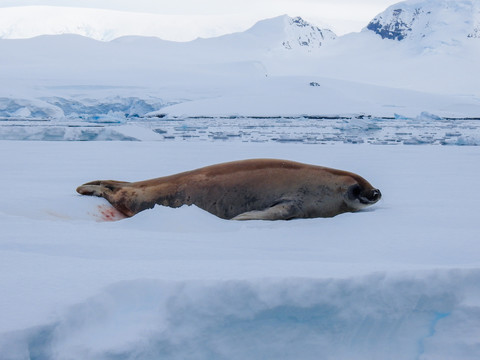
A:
[399, 279]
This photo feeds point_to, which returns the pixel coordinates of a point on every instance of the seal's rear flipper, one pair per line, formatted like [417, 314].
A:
[281, 211]
[90, 190]
[100, 188]
[110, 190]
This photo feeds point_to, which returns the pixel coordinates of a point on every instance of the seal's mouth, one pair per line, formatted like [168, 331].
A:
[370, 196]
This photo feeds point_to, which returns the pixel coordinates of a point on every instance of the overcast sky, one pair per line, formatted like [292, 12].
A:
[341, 15]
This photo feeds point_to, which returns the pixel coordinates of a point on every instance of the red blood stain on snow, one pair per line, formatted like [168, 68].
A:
[108, 213]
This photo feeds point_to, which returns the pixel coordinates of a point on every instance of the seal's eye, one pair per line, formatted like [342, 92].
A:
[354, 191]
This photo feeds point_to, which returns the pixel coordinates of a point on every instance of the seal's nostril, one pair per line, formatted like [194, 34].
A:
[374, 195]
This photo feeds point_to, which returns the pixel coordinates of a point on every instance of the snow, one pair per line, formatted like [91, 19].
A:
[293, 96]
[291, 33]
[169, 283]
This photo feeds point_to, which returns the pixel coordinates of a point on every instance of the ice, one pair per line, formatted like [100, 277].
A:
[420, 129]
[29, 108]
[78, 108]
[427, 116]
[464, 141]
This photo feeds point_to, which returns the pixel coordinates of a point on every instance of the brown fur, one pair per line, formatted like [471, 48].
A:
[249, 189]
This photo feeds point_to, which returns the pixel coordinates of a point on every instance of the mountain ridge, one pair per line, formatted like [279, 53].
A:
[107, 25]
[429, 22]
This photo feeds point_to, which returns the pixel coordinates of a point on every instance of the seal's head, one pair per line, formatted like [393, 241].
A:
[358, 197]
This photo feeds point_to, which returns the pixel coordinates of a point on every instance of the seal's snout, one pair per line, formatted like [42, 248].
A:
[370, 196]
[374, 195]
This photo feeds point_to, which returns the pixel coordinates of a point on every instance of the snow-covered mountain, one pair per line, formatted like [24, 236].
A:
[434, 21]
[106, 25]
[291, 33]
[278, 35]
[266, 69]
[301, 33]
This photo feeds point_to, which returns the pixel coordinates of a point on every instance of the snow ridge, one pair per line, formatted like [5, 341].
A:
[365, 318]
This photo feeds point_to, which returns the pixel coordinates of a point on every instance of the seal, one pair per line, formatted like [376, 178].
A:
[256, 189]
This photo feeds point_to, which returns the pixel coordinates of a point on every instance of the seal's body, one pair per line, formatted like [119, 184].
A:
[264, 189]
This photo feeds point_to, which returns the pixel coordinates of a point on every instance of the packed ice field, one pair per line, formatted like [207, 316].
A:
[423, 129]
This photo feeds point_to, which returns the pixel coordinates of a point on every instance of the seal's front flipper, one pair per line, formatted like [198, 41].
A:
[281, 211]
